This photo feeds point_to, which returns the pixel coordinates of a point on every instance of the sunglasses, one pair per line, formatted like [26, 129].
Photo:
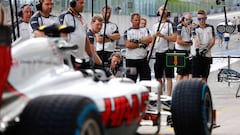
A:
[189, 20]
[202, 19]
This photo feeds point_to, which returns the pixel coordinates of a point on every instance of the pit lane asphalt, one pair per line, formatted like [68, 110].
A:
[223, 95]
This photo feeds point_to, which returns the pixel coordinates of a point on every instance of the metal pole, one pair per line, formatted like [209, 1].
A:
[225, 13]
[92, 7]
[229, 61]
[16, 15]
[229, 66]
[104, 31]
[12, 19]
[154, 41]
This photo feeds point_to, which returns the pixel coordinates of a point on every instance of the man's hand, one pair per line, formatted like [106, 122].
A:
[38, 33]
[142, 46]
[204, 52]
[104, 36]
[189, 42]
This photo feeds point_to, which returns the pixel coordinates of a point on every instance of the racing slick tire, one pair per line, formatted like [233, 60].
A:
[61, 115]
[192, 109]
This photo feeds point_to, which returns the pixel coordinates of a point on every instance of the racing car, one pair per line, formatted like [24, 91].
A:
[46, 96]
[60, 95]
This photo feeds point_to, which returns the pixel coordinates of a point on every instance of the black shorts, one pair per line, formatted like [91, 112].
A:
[160, 67]
[142, 69]
[201, 66]
[188, 67]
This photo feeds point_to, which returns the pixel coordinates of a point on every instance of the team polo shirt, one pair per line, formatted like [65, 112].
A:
[38, 20]
[205, 35]
[91, 37]
[110, 29]
[137, 53]
[24, 30]
[167, 28]
[185, 33]
[78, 37]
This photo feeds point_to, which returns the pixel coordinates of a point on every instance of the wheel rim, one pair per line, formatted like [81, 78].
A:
[90, 127]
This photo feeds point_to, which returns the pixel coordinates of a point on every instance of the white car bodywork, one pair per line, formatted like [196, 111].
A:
[38, 69]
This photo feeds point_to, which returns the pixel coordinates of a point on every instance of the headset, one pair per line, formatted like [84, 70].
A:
[20, 13]
[183, 18]
[39, 5]
[157, 14]
[176, 19]
[73, 3]
[168, 13]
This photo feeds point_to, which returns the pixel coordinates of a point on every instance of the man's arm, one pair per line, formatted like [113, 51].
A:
[179, 37]
[90, 49]
[146, 40]
[128, 43]
[34, 25]
[2, 16]
[213, 39]
[171, 38]
[114, 36]
[181, 42]
[100, 38]
[196, 41]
